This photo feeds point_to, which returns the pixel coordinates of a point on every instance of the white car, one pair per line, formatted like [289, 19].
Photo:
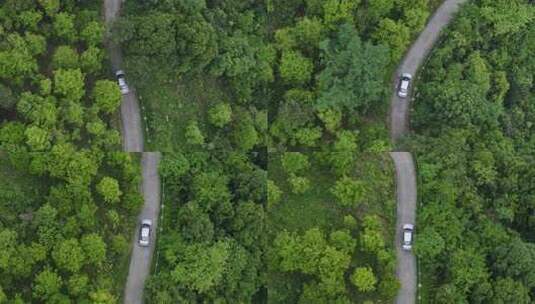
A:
[145, 232]
[121, 81]
[408, 230]
[404, 84]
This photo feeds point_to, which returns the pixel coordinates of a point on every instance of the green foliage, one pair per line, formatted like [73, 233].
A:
[364, 279]
[347, 62]
[348, 192]
[471, 144]
[64, 26]
[65, 57]
[295, 68]
[193, 134]
[294, 162]
[107, 95]
[47, 283]
[92, 33]
[68, 255]
[108, 187]
[69, 84]
[220, 114]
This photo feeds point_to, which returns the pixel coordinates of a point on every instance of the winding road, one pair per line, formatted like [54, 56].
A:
[405, 170]
[132, 134]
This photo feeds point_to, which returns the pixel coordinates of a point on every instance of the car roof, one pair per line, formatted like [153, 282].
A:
[404, 84]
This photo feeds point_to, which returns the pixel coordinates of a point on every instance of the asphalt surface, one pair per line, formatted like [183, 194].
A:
[140, 260]
[132, 134]
[406, 192]
[131, 129]
[399, 112]
[406, 214]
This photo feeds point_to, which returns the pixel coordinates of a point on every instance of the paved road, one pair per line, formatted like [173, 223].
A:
[406, 214]
[405, 170]
[141, 258]
[399, 122]
[132, 132]
[140, 261]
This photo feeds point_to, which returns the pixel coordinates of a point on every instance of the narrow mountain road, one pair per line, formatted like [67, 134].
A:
[140, 261]
[132, 134]
[131, 129]
[405, 170]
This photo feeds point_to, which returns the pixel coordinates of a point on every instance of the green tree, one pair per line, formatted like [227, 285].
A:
[7, 98]
[294, 162]
[299, 184]
[193, 134]
[220, 114]
[295, 68]
[364, 279]
[37, 138]
[78, 284]
[107, 95]
[349, 192]
[69, 84]
[353, 74]
[69, 255]
[65, 57]
[64, 26]
[94, 248]
[108, 187]
[47, 283]
[273, 193]
[91, 60]
[51, 7]
[201, 267]
[92, 33]
[507, 290]
[393, 34]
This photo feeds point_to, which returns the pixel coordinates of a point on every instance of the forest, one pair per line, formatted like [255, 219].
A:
[68, 202]
[330, 232]
[212, 244]
[53, 85]
[66, 221]
[239, 74]
[475, 147]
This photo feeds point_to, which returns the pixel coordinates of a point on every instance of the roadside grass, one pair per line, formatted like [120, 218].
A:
[167, 105]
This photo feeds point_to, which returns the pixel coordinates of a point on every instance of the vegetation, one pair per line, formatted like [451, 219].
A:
[68, 203]
[52, 78]
[64, 242]
[319, 68]
[474, 142]
[213, 240]
[326, 247]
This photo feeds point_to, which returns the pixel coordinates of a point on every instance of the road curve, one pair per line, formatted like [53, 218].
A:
[132, 132]
[405, 170]
[399, 111]
[140, 260]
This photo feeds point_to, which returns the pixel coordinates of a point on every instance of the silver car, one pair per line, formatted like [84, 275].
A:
[404, 84]
[121, 81]
[408, 230]
[145, 233]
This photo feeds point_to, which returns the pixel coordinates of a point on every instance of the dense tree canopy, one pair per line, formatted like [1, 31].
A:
[474, 144]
